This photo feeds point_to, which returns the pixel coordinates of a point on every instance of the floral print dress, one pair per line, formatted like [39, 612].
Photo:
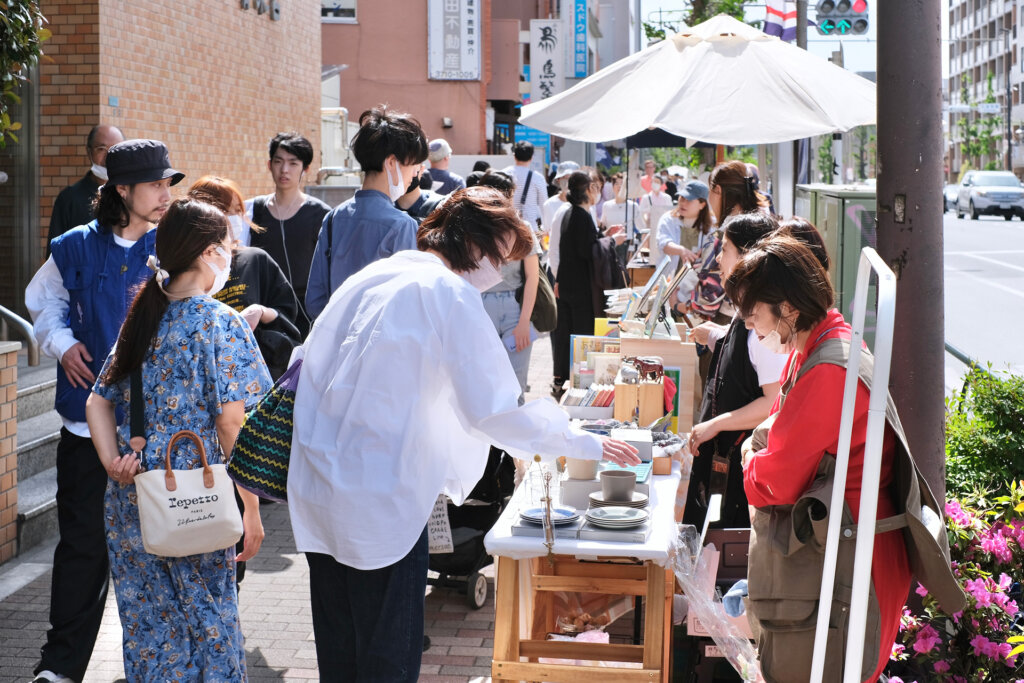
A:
[180, 614]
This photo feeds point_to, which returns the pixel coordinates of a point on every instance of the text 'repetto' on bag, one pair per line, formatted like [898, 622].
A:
[259, 459]
[187, 512]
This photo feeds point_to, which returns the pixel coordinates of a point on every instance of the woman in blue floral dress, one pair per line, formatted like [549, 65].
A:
[201, 369]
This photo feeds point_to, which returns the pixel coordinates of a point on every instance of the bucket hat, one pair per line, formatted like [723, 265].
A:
[140, 161]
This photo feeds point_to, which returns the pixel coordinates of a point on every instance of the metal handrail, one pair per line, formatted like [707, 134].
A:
[7, 316]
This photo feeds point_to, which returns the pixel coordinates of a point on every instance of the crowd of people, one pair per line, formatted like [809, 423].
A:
[409, 306]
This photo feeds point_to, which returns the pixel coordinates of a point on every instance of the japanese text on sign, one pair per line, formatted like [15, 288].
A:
[547, 63]
[579, 39]
[453, 40]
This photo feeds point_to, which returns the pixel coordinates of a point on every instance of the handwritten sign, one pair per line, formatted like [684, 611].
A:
[439, 529]
[547, 63]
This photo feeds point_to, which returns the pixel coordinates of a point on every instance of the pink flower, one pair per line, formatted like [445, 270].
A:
[941, 666]
[921, 590]
[957, 514]
[895, 679]
[979, 643]
[897, 651]
[927, 639]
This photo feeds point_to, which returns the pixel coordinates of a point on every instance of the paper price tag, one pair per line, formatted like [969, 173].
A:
[439, 529]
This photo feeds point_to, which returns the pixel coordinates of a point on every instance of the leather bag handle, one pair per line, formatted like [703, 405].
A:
[169, 474]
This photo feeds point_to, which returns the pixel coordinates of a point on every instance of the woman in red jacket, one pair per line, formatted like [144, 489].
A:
[785, 296]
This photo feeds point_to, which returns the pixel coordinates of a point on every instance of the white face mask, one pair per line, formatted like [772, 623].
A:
[220, 275]
[237, 226]
[395, 189]
[773, 341]
[99, 171]
[485, 276]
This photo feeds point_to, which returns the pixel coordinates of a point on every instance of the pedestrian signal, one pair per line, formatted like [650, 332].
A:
[842, 17]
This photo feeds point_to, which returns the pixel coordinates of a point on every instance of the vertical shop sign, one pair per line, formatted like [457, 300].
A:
[453, 40]
[547, 63]
[579, 39]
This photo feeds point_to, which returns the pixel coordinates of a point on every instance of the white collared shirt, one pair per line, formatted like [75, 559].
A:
[404, 386]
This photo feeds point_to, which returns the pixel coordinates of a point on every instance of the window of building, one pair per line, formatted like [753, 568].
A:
[341, 11]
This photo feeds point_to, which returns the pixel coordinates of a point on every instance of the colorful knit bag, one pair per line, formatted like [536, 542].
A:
[259, 460]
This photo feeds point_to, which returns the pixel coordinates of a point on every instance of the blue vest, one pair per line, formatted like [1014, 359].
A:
[101, 278]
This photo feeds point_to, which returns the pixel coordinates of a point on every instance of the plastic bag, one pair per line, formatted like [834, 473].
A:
[584, 612]
[694, 573]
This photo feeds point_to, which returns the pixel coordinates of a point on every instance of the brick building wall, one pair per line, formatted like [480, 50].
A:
[212, 80]
[8, 456]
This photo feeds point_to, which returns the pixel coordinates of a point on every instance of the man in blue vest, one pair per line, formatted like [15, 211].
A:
[78, 300]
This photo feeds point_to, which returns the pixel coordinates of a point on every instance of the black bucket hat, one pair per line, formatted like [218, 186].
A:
[140, 161]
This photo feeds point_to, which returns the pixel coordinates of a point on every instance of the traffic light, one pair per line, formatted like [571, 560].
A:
[842, 17]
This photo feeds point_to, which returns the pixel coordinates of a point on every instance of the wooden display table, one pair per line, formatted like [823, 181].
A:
[640, 272]
[526, 582]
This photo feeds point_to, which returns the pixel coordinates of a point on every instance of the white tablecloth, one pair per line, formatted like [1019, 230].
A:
[500, 541]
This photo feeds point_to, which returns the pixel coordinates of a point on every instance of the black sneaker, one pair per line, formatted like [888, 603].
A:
[426, 643]
[557, 390]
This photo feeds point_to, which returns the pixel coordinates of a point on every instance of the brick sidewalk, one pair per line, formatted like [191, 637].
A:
[274, 603]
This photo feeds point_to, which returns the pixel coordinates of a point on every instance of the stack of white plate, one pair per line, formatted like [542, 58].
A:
[559, 515]
[616, 517]
[639, 500]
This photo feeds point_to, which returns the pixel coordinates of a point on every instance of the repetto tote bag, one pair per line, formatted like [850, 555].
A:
[187, 512]
[259, 460]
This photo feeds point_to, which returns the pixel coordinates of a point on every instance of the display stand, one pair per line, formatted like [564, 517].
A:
[526, 582]
[676, 354]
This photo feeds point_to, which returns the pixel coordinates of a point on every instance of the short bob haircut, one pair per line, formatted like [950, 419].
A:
[745, 230]
[803, 230]
[383, 132]
[579, 187]
[295, 144]
[474, 222]
[222, 193]
[778, 269]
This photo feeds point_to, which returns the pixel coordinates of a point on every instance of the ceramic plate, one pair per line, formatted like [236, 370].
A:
[559, 515]
[639, 500]
[617, 515]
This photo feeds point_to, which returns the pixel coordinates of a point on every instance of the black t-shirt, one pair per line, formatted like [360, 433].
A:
[73, 207]
[256, 279]
[292, 242]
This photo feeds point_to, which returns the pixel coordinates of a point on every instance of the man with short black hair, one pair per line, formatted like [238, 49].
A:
[530, 196]
[292, 218]
[440, 154]
[78, 300]
[390, 148]
[73, 206]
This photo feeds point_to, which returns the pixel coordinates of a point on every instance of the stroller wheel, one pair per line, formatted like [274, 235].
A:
[476, 590]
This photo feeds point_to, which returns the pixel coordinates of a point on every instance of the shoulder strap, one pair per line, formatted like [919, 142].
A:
[526, 188]
[327, 252]
[137, 413]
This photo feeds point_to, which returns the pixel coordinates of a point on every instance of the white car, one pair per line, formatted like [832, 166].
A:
[990, 192]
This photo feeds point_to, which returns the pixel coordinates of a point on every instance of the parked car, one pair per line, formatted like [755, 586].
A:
[990, 192]
[949, 198]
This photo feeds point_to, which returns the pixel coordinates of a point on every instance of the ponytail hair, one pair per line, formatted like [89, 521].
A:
[187, 229]
[738, 187]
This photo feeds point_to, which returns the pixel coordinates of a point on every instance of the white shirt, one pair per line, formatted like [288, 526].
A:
[47, 302]
[615, 214]
[555, 234]
[671, 229]
[653, 207]
[404, 386]
[538, 194]
[551, 206]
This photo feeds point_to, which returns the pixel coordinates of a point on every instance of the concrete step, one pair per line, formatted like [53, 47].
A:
[36, 386]
[37, 509]
[37, 444]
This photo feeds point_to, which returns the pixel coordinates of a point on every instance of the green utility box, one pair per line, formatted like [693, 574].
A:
[845, 217]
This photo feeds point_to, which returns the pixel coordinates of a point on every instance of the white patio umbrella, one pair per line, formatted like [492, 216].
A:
[721, 81]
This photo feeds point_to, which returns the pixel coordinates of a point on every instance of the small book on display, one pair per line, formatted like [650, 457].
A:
[637, 534]
[570, 531]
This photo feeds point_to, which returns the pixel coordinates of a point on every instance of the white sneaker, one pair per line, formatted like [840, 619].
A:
[50, 677]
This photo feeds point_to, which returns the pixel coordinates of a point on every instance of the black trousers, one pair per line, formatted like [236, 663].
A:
[81, 567]
[368, 625]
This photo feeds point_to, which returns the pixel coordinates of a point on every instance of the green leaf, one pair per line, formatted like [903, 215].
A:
[12, 136]
[15, 126]
[1016, 651]
[44, 34]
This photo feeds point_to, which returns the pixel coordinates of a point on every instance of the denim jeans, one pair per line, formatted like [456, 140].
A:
[504, 311]
[368, 625]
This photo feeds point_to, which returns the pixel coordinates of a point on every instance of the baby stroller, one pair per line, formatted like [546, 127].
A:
[470, 522]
